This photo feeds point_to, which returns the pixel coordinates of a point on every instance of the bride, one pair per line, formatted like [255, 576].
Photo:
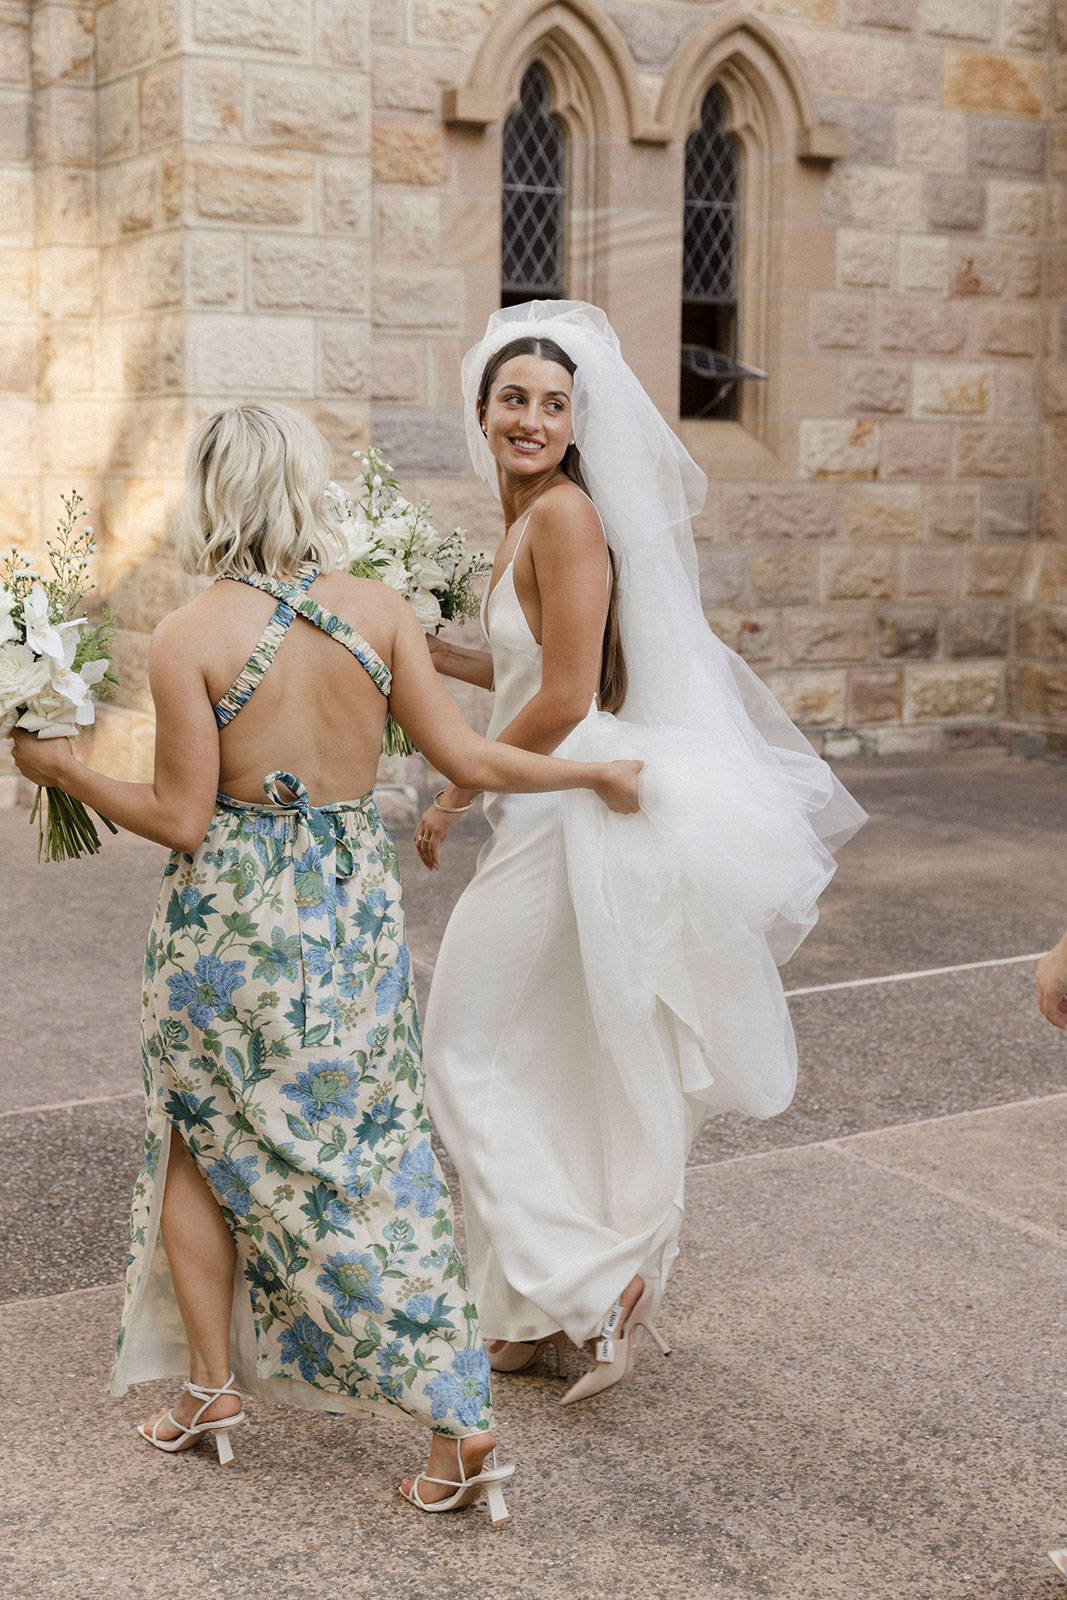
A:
[604, 983]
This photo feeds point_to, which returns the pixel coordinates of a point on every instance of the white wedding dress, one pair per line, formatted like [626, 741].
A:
[605, 981]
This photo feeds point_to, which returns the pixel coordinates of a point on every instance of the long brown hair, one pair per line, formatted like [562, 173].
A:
[612, 689]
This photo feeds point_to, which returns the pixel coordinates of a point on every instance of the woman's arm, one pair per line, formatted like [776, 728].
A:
[175, 809]
[456, 661]
[431, 718]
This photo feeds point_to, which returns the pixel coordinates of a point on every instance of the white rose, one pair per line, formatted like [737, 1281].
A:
[396, 575]
[358, 535]
[427, 574]
[393, 531]
[426, 608]
[8, 629]
[22, 675]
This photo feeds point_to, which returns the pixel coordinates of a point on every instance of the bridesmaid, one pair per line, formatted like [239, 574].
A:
[288, 1154]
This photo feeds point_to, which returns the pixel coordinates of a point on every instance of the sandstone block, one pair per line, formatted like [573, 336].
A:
[926, 327]
[753, 634]
[252, 355]
[778, 511]
[396, 370]
[1031, 634]
[994, 452]
[146, 436]
[959, 19]
[956, 204]
[451, 22]
[915, 450]
[1043, 693]
[981, 80]
[937, 693]
[16, 127]
[907, 633]
[924, 264]
[407, 227]
[952, 389]
[975, 631]
[62, 45]
[18, 358]
[723, 575]
[117, 114]
[130, 514]
[215, 100]
[161, 110]
[129, 658]
[17, 207]
[1004, 144]
[823, 12]
[67, 279]
[269, 191]
[931, 572]
[811, 699]
[875, 386]
[346, 198]
[875, 694]
[67, 361]
[1055, 397]
[907, 70]
[15, 51]
[1052, 577]
[784, 577]
[308, 274]
[408, 152]
[419, 298]
[345, 424]
[882, 512]
[144, 355]
[129, 197]
[64, 126]
[1051, 514]
[895, 14]
[68, 431]
[992, 572]
[865, 260]
[839, 449]
[653, 33]
[1054, 644]
[309, 110]
[870, 127]
[827, 634]
[867, 574]
[1026, 25]
[981, 268]
[121, 744]
[215, 268]
[951, 511]
[1016, 208]
[342, 33]
[417, 440]
[1010, 331]
[142, 273]
[840, 63]
[18, 498]
[127, 37]
[874, 197]
[280, 25]
[17, 297]
[344, 358]
[841, 321]
[932, 139]
[412, 80]
[1006, 511]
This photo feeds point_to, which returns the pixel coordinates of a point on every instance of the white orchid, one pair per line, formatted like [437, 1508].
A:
[56, 640]
[8, 629]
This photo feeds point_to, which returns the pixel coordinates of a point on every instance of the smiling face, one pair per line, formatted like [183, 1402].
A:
[527, 417]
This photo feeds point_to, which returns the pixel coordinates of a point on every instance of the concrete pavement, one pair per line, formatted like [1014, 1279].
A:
[865, 1399]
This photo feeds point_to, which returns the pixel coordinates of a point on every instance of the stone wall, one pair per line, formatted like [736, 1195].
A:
[208, 200]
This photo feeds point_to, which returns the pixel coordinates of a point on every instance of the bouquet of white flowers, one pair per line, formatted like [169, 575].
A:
[394, 541]
[53, 667]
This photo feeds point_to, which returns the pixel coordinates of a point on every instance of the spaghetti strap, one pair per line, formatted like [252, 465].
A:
[294, 601]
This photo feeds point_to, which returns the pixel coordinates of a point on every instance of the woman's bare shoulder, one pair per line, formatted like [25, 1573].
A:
[564, 516]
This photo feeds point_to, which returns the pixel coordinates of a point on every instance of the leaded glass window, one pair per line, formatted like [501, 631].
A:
[710, 265]
[533, 196]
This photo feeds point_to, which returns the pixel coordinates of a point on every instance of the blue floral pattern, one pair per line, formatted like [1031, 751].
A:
[281, 1040]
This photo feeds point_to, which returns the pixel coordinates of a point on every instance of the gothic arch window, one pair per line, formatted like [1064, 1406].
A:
[710, 265]
[533, 210]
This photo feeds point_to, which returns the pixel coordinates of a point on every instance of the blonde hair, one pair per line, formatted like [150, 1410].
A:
[255, 499]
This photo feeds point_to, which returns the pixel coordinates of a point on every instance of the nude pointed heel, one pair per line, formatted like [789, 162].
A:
[615, 1351]
[521, 1355]
[196, 1429]
[489, 1481]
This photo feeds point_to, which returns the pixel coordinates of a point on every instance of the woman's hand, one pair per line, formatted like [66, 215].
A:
[43, 761]
[435, 825]
[1051, 982]
[618, 786]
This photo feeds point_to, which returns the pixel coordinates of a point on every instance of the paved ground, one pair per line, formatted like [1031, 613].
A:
[866, 1395]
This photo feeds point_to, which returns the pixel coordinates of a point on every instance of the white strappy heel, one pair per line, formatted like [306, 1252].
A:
[488, 1481]
[192, 1431]
[615, 1351]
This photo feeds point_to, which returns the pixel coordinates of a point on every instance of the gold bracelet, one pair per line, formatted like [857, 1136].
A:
[452, 811]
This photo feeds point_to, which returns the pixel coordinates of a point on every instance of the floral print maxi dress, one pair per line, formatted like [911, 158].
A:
[281, 1038]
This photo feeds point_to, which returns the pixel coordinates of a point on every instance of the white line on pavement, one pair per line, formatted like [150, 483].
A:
[72, 1105]
[925, 972]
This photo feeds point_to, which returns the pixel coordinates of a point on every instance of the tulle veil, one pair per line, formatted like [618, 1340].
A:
[686, 910]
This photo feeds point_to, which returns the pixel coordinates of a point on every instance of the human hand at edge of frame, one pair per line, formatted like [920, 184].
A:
[1050, 980]
[434, 826]
[44, 761]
